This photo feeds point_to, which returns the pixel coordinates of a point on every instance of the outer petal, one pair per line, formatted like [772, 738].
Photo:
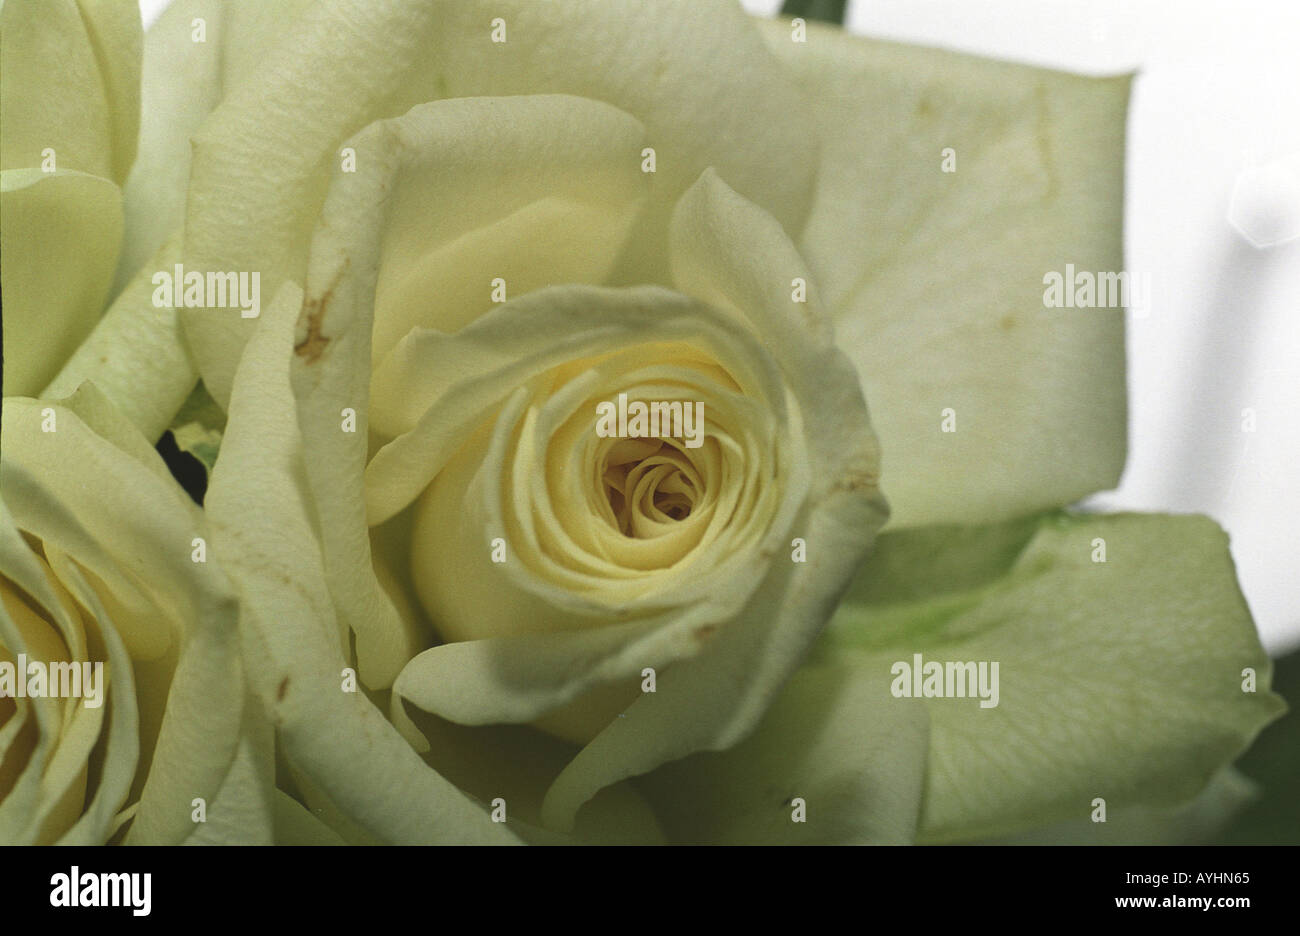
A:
[936, 279]
[258, 183]
[291, 638]
[695, 72]
[183, 80]
[857, 768]
[70, 81]
[70, 107]
[1123, 679]
[59, 237]
[244, 807]
[1199, 821]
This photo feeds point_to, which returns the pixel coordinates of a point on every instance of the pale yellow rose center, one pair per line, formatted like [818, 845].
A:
[41, 642]
[615, 521]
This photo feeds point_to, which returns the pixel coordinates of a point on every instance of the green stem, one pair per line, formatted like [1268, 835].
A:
[831, 11]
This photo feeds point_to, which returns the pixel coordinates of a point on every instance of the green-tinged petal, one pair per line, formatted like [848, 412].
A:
[1195, 822]
[516, 764]
[295, 825]
[257, 184]
[195, 52]
[70, 82]
[1273, 762]
[136, 355]
[59, 237]
[935, 278]
[1130, 680]
[292, 645]
[827, 765]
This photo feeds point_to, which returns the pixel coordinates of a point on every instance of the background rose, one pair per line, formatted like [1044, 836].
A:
[98, 564]
[70, 106]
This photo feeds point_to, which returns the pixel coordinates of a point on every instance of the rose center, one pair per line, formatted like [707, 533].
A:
[651, 484]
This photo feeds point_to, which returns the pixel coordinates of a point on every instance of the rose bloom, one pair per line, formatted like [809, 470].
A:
[103, 561]
[469, 616]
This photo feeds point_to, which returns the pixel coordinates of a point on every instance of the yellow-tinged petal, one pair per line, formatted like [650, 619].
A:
[70, 84]
[59, 238]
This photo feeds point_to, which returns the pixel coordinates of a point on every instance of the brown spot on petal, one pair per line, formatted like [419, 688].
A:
[856, 481]
[284, 687]
[313, 346]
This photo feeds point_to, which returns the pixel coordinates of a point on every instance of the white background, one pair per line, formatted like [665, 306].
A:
[1215, 101]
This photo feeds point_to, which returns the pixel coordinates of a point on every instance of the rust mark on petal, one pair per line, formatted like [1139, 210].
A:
[313, 346]
[856, 480]
[705, 631]
[284, 687]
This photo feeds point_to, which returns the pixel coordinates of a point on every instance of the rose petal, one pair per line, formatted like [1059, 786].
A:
[47, 802]
[137, 541]
[857, 767]
[935, 279]
[129, 526]
[257, 184]
[59, 237]
[136, 356]
[295, 825]
[243, 810]
[182, 81]
[294, 651]
[412, 157]
[1119, 679]
[70, 81]
[729, 251]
